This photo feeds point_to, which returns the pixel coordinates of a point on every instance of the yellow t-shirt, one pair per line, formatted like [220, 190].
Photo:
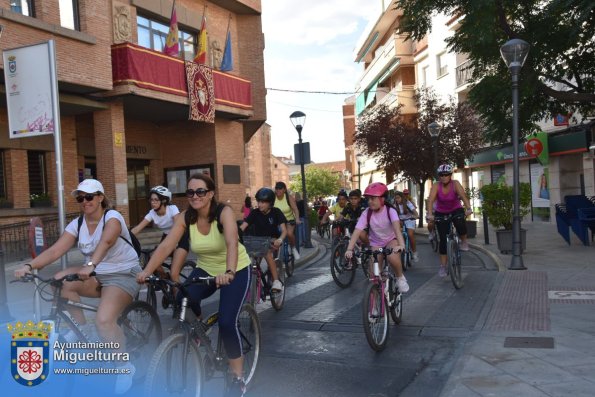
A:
[336, 210]
[212, 250]
[283, 205]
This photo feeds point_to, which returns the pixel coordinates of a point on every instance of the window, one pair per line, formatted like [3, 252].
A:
[24, 7]
[69, 14]
[177, 178]
[37, 172]
[152, 34]
[424, 75]
[3, 192]
[441, 64]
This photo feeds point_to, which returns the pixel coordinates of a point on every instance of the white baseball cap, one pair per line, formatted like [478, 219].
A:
[88, 186]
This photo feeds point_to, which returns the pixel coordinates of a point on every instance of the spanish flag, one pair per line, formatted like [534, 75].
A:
[172, 46]
[201, 50]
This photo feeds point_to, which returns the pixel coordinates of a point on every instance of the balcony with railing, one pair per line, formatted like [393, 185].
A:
[155, 73]
[464, 74]
[400, 95]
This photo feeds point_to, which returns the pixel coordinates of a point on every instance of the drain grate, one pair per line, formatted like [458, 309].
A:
[529, 342]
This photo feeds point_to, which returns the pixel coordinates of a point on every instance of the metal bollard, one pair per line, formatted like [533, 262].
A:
[486, 234]
[4, 312]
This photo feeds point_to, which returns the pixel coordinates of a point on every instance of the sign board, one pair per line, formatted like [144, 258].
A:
[30, 90]
[297, 154]
[36, 237]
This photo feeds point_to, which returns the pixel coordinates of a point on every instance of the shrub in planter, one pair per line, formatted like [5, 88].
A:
[40, 200]
[498, 203]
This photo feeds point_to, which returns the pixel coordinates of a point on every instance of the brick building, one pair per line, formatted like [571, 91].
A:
[124, 104]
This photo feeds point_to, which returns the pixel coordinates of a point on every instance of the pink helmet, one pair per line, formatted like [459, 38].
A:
[376, 189]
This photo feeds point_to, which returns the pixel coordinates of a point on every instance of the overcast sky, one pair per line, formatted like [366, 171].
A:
[309, 46]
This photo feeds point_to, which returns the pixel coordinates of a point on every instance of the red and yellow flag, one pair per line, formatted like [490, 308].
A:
[201, 49]
[172, 46]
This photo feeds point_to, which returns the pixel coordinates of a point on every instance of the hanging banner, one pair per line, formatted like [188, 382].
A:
[537, 145]
[30, 86]
[540, 192]
[201, 92]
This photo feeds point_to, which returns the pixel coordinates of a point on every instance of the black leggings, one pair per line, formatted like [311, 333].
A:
[231, 299]
[443, 227]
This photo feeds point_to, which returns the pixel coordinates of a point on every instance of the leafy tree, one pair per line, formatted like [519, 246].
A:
[559, 74]
[319, 182]
[402, 145]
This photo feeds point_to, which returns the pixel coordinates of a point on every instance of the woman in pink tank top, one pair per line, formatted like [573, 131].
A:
[447, 195]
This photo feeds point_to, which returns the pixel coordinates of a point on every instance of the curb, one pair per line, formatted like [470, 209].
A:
[490, 254]
[304, 259]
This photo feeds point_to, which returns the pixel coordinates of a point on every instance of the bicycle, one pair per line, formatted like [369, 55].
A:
[453, 251]
[139, 321]
[262, 281]
[177, 367]
[380, 294]
[343, 272]
[288, 259]
[433, 236]
[324, 230]
[169, 297]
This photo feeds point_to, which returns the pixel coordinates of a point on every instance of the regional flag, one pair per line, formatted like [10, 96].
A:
[201, 50]
[227, 61]
[172, 46]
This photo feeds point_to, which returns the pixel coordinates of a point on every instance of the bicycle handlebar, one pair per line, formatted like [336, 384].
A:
[383, 251]
[69, 277]
[448, 218]
[209, 280]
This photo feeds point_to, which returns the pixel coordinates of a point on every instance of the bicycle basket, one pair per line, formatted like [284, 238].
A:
[257, 246]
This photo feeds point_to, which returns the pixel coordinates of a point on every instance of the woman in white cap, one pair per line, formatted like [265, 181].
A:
[113, 259]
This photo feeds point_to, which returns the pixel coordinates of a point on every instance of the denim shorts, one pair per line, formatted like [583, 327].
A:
[125, 280]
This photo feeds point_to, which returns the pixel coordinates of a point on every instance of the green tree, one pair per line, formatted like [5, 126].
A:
[558, 76]
[402, 145]
[319, 182]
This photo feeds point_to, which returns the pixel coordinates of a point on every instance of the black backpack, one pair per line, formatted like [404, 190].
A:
[218, 211]
[134, 243]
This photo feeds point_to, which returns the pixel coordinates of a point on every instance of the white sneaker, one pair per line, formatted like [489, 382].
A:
[124, 381]
[296, 254]
[415, 257]
[402, 284]
[277, 286]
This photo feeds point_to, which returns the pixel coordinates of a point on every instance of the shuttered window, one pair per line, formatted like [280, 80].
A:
[37, 172]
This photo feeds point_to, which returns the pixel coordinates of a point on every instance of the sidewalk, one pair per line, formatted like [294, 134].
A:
[537, 336]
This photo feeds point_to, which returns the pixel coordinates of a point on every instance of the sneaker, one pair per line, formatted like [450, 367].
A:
[296, 254]
[464, 246]
[277, 286]
[235, 388]
[415, 257]
[402, 284]
[124, 380]
[442, 271]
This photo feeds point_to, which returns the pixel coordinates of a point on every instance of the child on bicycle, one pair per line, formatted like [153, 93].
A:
[384, 230]
[336, 209]
[114, 261]
[407, 214]
[266, 221]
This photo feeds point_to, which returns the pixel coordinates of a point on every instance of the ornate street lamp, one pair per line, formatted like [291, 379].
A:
[514, 52]
[298, 119]
[346, 174]
[434, 130]
[360, 159]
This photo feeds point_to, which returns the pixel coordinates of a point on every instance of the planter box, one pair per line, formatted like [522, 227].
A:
[504, 238]
[471, 228]
[41, 203]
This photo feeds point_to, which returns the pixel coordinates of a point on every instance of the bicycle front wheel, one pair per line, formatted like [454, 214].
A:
[278, 297]
[175, 369]
[142, 330]
[343, 277]
[375, 317]
[249, 329]
[289, 262]
[396, 302]
[435, 243]
[454, 264]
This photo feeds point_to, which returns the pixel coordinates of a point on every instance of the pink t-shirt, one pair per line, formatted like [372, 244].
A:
[381, 229]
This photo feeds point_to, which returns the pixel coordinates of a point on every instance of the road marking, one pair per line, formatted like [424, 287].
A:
[571, 295]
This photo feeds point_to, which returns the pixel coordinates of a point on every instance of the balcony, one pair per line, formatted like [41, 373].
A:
[400, 95]
[155, 74]
[464, 74]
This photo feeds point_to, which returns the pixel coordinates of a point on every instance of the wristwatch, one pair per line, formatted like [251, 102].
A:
[90, 263]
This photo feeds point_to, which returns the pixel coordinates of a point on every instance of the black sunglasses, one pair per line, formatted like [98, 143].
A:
[444, 174]
[199, 192]
[88, 197]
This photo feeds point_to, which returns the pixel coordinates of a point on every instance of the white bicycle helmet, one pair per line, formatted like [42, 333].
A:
[162, 192]
[445, 169]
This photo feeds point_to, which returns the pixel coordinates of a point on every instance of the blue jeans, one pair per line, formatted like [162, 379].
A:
[301, 233]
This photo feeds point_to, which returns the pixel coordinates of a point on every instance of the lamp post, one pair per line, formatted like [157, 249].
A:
[434, 130]
[346, 174]
[359, 159]
[514, 52]
[298, 119]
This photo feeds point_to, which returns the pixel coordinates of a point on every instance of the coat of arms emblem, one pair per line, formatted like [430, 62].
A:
[29, 353]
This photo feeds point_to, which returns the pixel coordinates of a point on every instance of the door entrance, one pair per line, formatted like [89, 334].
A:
[138, 190]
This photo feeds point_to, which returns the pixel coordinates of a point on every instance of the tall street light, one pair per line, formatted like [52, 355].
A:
[359, 159]
[434, 130]
[346, 174]
[514, 52]
[298, 119]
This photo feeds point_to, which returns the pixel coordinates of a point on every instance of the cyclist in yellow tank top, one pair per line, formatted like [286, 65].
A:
[286, 203]
[220, 255]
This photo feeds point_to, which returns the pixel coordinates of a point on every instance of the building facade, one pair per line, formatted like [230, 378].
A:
[124, 104]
